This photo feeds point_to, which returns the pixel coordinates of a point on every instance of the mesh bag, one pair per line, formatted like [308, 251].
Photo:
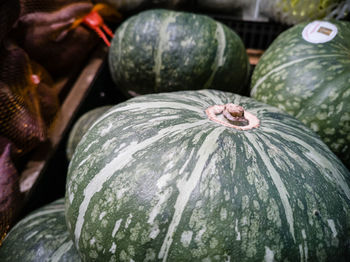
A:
[28, 104]
[48, 32]
[33, 6]
[57, 36]
[10, 196]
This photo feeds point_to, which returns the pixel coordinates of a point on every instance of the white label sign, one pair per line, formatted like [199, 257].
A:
[319, 32]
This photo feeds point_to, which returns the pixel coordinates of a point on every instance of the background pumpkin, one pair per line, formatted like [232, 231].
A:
[40, 236]
[81, 126]
[155, 179]
[161, 50]
[310, 81]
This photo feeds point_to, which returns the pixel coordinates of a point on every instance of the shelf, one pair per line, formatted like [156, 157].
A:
[254, 55]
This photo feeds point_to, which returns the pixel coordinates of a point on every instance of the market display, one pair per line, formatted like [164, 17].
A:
[168, 177]
[157, 51]
[178, 140]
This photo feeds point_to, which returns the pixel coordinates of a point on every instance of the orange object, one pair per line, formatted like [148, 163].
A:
[94, 21]
[28, 101]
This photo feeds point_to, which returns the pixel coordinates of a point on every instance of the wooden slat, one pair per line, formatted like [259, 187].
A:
[254, 55]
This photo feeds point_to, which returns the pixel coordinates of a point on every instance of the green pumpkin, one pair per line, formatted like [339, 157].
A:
[161, 50]
[40, 236]
[310, 81]
[81, 126]
[167, 177]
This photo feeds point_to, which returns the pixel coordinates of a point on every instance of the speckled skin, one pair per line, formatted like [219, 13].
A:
[296, 11]
[155, 180]
[311, 82]
[41, 236]
[161, 50]
[81, 126]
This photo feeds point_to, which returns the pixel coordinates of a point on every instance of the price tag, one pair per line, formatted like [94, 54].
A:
[319, 32]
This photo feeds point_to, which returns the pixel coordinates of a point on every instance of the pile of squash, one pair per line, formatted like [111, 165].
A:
[210, 159]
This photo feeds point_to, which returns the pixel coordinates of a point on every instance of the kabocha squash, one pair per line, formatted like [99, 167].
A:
[41, 236]
[161, 50]
[306, 72]
[167, 177]
[81, 126]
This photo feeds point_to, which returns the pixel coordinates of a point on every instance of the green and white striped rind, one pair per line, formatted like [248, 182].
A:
[40, 236]
[161, 50]
[81, 126]
[310, 82]
[155, 180]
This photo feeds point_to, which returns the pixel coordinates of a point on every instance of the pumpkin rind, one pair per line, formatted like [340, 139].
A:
[162, 50]
[311, 82]
[41, 236]
[155, 180]
[81, 126]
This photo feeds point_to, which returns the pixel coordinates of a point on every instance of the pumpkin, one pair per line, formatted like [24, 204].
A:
[81, 126]
[40, 236]
[205, 176]
[292, 12]
[161, 50]
[306, 72]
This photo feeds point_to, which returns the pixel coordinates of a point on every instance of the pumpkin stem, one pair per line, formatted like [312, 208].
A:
[232, 115]
[235, 115]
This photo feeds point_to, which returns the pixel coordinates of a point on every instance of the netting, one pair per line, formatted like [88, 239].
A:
[27, 102]
[38, 39]
[44, 30]
[10, 197]
[32, 6]
[28, 106]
